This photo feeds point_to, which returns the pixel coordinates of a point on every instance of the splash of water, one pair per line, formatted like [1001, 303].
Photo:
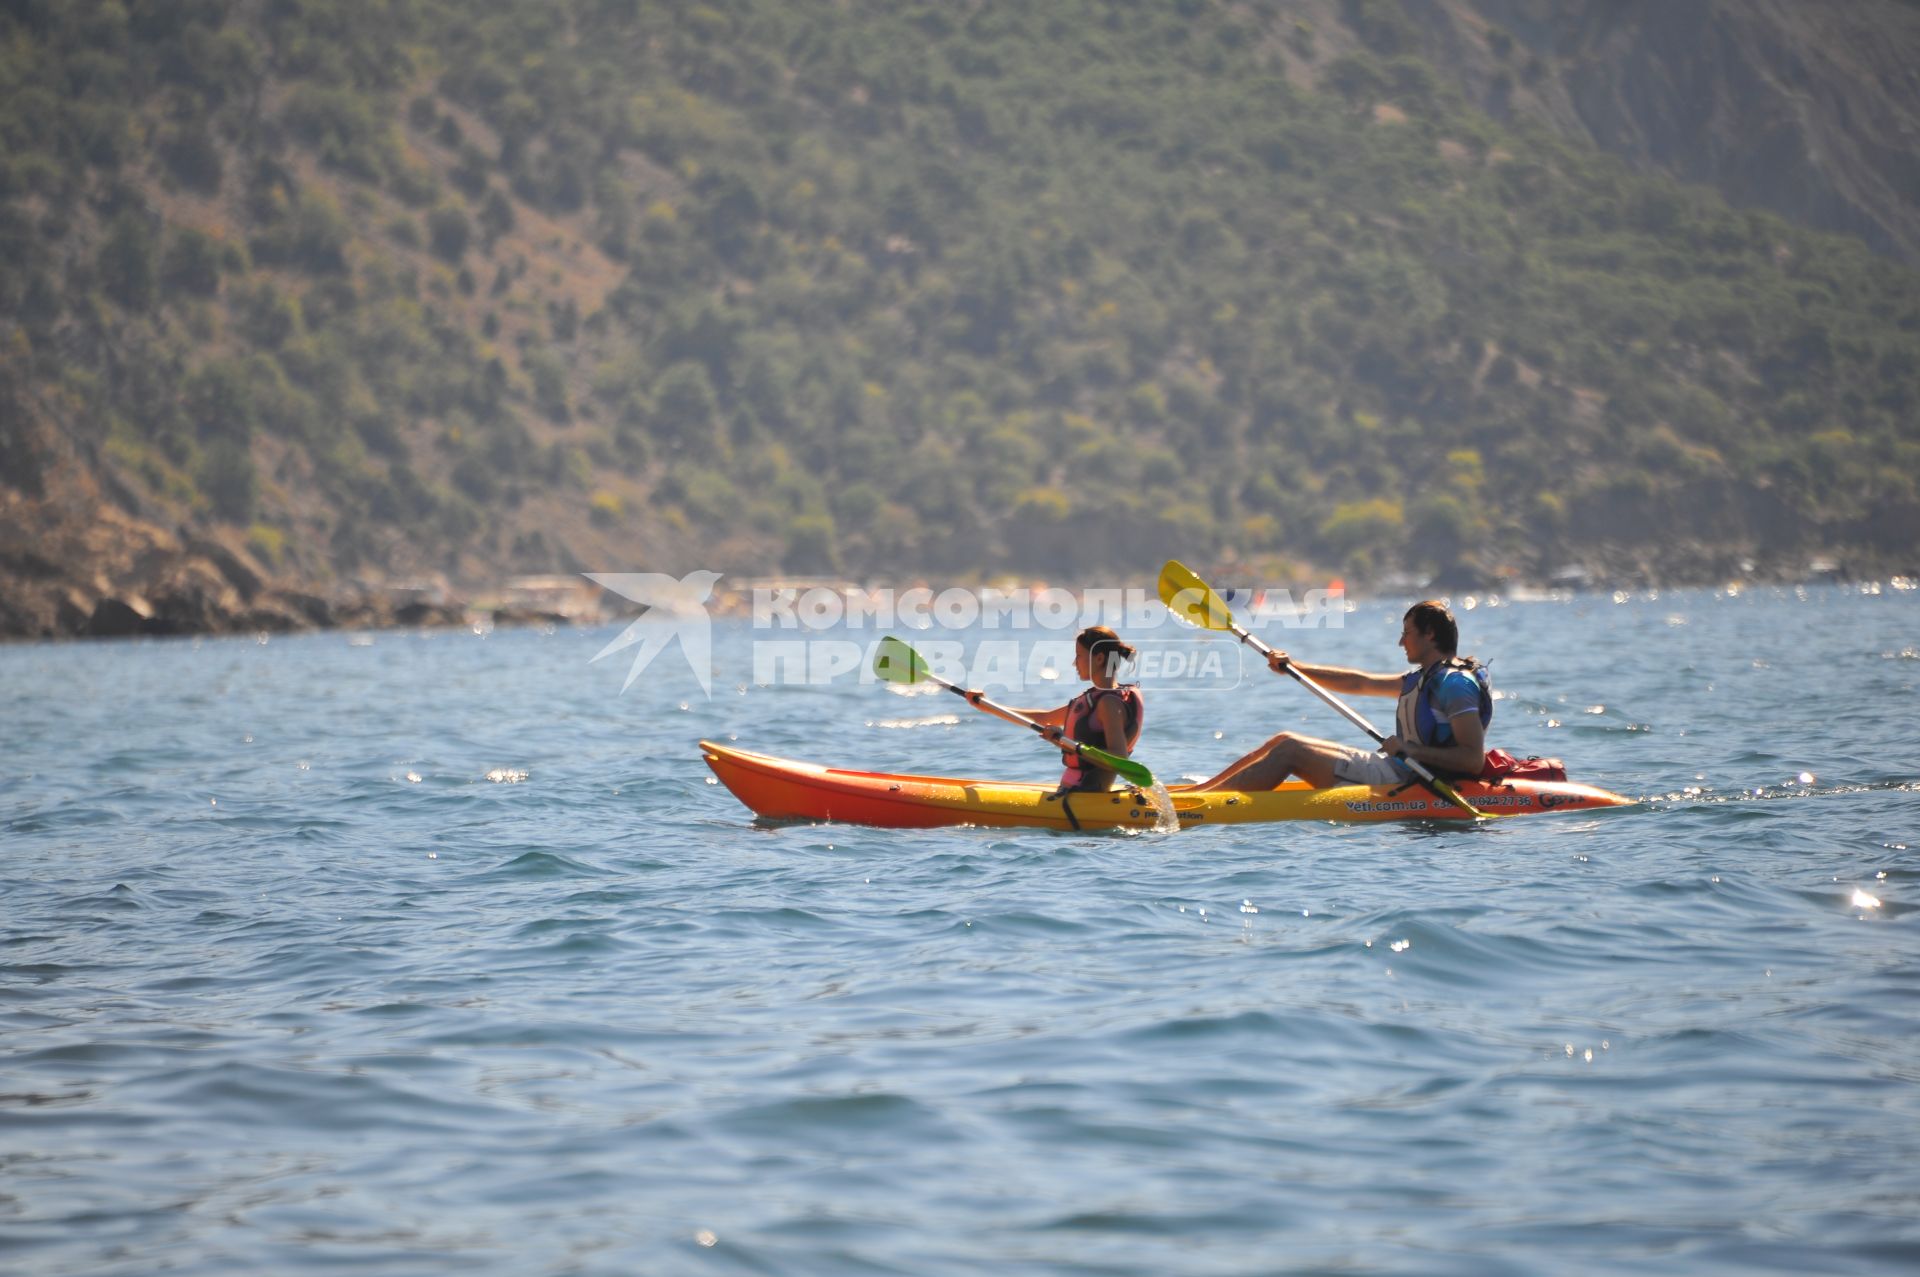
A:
[1164, 821]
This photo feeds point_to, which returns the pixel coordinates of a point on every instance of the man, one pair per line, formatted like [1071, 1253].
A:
[1445, 706]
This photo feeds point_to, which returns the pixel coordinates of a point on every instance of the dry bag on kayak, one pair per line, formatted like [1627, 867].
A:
[1502, 766]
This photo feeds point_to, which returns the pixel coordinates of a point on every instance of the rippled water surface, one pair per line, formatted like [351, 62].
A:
[437, 954]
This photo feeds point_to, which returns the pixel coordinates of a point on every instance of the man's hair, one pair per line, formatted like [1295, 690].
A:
[1433, 619]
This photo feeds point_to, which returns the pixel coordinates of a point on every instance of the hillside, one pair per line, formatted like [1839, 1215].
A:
[1810, 111]
[301, 299]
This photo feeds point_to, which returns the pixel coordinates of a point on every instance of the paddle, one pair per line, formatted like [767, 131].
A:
[1194, 601]
[896, 662]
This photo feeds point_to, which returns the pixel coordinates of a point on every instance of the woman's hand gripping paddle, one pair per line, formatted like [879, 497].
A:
[1194, 601]
[895, 662]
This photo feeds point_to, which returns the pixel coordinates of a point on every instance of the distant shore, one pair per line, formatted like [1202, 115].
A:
[213, 592]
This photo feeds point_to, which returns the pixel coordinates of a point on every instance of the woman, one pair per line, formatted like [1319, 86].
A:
[1107, 715]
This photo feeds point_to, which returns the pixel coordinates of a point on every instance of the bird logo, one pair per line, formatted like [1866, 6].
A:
[675, 609]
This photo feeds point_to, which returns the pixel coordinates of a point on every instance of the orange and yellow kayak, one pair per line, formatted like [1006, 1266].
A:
[781, 789]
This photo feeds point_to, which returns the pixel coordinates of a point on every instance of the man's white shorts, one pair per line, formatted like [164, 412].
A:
[1370, 767]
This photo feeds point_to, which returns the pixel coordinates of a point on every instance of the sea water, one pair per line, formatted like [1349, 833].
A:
[436, 953]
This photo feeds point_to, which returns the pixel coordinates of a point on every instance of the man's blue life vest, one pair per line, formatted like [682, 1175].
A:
[1417, 719]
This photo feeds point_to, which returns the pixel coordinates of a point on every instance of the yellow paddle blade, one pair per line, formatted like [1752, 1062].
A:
[895, 662]
[1191, 599]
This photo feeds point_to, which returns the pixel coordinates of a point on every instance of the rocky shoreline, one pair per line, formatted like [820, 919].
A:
[206, 585]
[76, 565]
[81, 558]
[206, 588]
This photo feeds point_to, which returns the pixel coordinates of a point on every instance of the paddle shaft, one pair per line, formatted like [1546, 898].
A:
[998, 711]
[1098, 757]
[892, 650]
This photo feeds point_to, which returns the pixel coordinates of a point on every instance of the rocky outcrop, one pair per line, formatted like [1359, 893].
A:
[193, 591]
[74, 562]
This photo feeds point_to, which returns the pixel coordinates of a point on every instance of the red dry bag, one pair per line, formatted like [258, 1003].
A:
[1502, 766]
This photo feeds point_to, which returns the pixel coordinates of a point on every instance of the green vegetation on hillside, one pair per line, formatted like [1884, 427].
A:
[932, 287]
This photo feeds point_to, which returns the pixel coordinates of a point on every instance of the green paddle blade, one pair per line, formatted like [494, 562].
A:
[1191, 599]
[895, 662]
[1125, 768]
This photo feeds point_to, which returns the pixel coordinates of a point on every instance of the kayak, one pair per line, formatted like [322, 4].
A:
[782, 789]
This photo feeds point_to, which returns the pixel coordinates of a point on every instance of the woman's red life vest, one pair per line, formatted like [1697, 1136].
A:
[1083, 725]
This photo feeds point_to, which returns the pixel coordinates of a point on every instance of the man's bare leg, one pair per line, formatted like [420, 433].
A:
[1283, 756]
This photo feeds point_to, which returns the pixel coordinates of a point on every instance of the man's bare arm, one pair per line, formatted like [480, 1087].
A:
[1337, 678]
